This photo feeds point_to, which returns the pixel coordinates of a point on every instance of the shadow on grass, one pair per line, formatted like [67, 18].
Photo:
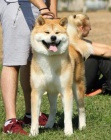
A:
[59, 125]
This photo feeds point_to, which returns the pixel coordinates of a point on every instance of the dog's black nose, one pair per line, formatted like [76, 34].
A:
[53, 38]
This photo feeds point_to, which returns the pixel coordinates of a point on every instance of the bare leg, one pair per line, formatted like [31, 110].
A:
[9, 82]
[25, 83]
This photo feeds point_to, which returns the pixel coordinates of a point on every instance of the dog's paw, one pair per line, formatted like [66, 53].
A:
[34, 132]
[68, 132]
[49, 125]
[82, 126]
[82, 121]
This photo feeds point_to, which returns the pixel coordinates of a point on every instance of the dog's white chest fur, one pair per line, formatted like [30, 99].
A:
[51, 77]
[49, 69]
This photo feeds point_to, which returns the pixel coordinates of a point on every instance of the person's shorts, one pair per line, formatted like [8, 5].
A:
[17, 21]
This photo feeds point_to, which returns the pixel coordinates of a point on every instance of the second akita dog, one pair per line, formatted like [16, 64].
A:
[54, 69]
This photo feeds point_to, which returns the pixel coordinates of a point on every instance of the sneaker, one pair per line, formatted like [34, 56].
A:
[43, 118]
[98, 91]
[14, 126]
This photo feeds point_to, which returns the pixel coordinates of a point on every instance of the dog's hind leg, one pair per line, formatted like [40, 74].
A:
[79, 97]
[35, 110]
[67, 99]
[79, 90]
[53, 107]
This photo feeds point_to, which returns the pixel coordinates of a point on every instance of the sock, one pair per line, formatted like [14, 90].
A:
[28, 115]
[8, 121]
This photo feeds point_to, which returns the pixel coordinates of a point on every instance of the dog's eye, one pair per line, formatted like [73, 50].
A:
[47, 32]
[57, 33]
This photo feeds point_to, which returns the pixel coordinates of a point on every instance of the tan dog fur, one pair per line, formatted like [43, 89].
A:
[55, 70]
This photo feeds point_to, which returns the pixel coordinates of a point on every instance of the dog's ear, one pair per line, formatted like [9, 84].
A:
[63, 21]
[40, 20]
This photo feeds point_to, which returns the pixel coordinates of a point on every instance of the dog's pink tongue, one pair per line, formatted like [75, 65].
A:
[53, 48]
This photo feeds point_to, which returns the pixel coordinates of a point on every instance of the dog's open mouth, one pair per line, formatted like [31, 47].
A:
[52, 46]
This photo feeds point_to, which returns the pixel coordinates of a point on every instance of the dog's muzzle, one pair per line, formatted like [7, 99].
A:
[53, 45]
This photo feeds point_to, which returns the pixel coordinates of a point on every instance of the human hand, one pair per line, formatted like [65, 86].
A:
[45, 12]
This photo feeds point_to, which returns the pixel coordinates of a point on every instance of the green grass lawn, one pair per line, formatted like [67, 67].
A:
[98, 114]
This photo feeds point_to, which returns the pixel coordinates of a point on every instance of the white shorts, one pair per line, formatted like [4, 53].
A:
[17, 21]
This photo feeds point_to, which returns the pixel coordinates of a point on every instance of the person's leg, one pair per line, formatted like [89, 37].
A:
[105, 68]
[25, 83]
[15, 53]
[91, 70]
[9, 82]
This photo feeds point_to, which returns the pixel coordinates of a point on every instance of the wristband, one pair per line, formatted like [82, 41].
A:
[43, 9]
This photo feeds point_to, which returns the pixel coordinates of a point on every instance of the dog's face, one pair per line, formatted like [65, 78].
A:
[49, 36]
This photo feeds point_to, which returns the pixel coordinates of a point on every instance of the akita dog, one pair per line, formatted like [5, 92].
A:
[54, 68]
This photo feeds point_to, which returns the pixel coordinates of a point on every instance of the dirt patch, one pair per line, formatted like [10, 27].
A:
[101, 27]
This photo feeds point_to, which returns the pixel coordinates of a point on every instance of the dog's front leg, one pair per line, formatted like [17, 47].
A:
[35, 109]
[67, 99]
[53, 105]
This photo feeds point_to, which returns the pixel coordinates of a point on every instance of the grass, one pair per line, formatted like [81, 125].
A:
[98, 112]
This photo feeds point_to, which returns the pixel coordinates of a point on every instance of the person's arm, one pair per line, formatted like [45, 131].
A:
[38, 3]
[51, 6]
[101, 49]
